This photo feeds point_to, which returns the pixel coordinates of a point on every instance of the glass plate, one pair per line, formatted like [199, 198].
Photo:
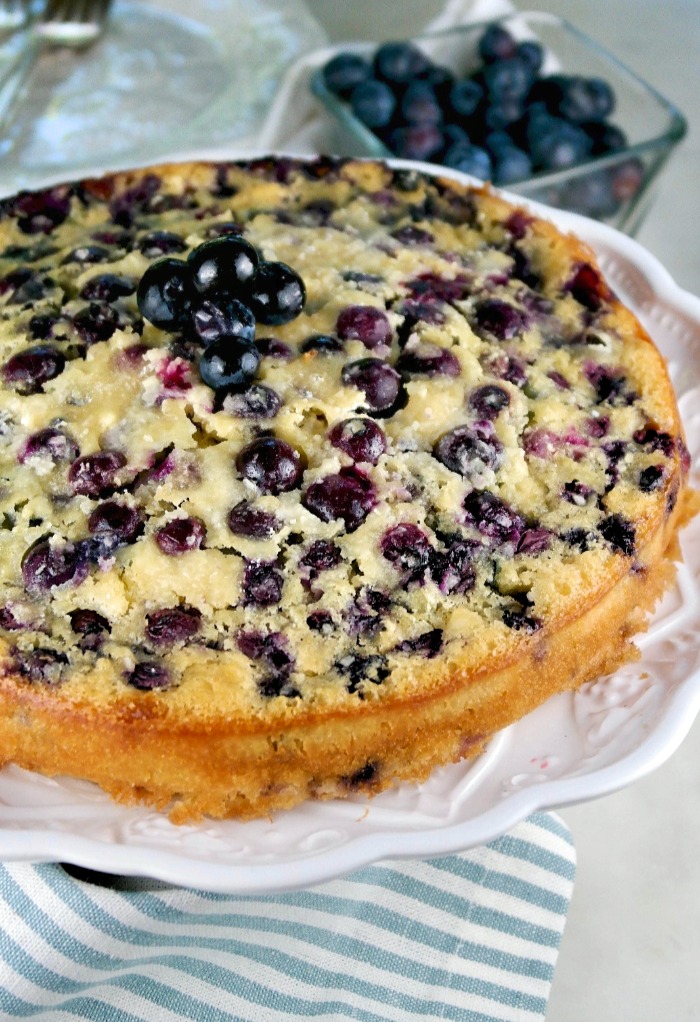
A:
[575, 747]
[166, 75]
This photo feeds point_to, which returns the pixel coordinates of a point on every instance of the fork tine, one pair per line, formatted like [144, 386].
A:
[73, 22]
[13, 14]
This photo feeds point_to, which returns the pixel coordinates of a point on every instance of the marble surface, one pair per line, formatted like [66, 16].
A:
[632, 939]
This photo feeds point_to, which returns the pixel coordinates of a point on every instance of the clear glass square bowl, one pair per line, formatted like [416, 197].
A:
[652, 125]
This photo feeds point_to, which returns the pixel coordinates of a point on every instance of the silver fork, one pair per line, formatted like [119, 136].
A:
[13, 14]
[73, 23]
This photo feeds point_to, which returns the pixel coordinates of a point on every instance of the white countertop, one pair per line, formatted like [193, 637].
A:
[631, 947]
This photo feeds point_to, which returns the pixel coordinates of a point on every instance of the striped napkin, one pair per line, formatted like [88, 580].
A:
[467, 938]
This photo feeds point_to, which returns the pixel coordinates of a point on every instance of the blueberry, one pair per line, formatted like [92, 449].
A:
[30, 369]
[576, 492]
[343, 72]
[517, 618]
[492, 517]
[428, 360]
[420, 104]
[654, 440]
[489, 401]
[125, 206]
[96, 322]
[277, 294]
[531, 53]
[592, 195]
[323, 344]
[444, 289]
[164, 294]
[148, 676]
[465, 97]
[91, 626]
[502, 114]
[619, 532]
[114, 525]
[534, 541]
[507, 78]
[322, 555]
[270, 649]
[416, 141]
[158, 243]
[468, 450]
[271, 347]
[262, 583]
[228, 364]
[348, 495]
[560, 146]
[273, 465]
[40, 212]
[585, 99]
[440, 79]
[651, 478]
[172, 624]
[496, 44]
[358, 668]
[627, 179]
[321, 621]
[223, 318]
[41, 326]
[252, 522]
[364, 323]
[365, 613]
[409, 234]
[469, 159]
[44, 665]
[95, 475]
[228, 227]
[87, 254]
[180, 535]
[454, 134]
[45, 565]
[22, 285]
[399, 62]
[107, 287]
[224, 265]
[408, 548]
[510, 164]
[499, 318]
[452, 569]
[361, 439]
[257, 402]
[588, 287]
[379, 382]
[373, 103]
[49, 443]
[428, 644]
[606, 138]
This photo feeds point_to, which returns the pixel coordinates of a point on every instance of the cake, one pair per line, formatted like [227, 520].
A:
[317, 522]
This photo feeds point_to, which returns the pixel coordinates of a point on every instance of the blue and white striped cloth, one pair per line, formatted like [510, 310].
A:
[470, 938]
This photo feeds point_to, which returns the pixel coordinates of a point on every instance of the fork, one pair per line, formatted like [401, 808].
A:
[13, 14]
[72, 23]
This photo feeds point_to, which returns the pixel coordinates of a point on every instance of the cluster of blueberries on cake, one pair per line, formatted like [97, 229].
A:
[219, 293]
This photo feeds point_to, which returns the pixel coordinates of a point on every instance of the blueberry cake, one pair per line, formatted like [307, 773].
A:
[315, 475]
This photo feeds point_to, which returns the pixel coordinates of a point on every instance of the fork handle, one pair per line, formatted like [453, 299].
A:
[13, 85]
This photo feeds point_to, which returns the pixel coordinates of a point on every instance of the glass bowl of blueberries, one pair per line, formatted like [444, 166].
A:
[527, 102]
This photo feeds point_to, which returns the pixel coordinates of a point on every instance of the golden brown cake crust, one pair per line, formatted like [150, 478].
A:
[548, 601]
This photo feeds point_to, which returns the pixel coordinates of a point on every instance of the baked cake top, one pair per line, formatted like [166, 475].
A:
[461, 437]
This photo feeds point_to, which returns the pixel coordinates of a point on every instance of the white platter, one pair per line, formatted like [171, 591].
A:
[576, 747]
